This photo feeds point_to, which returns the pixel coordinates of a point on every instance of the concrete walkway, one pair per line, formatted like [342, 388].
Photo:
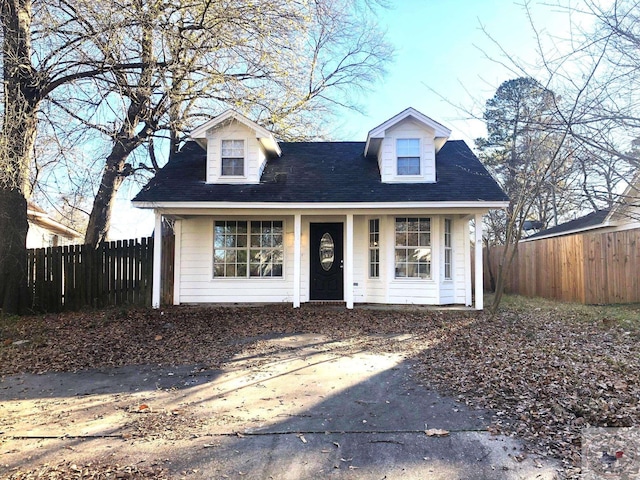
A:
[292, 407]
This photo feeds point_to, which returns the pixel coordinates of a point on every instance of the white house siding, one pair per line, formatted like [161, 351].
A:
[39, 237]
[628, 217]
[387, 154]
[447, 287]
[360, 257]
[254, 154]
[453, 291]
[461, 260]
[376, 291]
[197, 284]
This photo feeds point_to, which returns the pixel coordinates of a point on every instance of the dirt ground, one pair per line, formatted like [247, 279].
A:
[543, 370]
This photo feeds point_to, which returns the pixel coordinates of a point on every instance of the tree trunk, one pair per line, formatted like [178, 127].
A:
[14, 297]
[492, 278]
[22, 97]
[114, 173]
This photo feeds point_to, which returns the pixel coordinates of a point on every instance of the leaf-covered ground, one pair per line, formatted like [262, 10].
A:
[90, 471]
[548, 370]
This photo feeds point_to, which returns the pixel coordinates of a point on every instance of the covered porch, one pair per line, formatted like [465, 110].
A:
[324, 247]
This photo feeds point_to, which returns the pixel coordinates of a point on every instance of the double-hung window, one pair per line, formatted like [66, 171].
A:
[248, 248]
[413, 247]
[232, 158]
[408, 156]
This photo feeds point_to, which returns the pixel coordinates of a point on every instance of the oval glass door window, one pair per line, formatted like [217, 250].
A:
[327, 250]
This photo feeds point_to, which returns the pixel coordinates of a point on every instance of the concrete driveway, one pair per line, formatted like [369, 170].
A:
[286, 407]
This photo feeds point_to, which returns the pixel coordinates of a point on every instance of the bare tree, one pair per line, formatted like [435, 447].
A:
[63, 55]
[126, 68]
[596, 76]
[522, 136]
[284, 63]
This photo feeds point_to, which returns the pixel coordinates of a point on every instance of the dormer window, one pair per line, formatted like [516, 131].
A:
[232, 158]
[408, 156]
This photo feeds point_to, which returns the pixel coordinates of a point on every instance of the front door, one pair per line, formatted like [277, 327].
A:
[326, 261]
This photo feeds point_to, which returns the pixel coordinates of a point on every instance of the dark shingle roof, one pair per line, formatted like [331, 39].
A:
[324, 172]
[594, 219]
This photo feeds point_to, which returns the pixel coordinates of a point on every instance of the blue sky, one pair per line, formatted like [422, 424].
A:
[441, 51]
[441, 48]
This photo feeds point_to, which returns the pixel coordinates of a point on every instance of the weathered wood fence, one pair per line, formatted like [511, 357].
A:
[80, 276]
[589, 268]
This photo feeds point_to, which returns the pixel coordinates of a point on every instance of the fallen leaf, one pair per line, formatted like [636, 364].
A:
[436, 432]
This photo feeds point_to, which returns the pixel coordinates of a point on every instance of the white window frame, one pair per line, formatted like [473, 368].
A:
[399, 156]
[246, 245]
[419, 242]
[374, 248]
[223, 157]
[448, 248]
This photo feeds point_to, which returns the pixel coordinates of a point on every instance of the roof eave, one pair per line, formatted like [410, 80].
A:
[485, 204]
[441, 132]
[567, 232]
[45, 221]
[264, 136]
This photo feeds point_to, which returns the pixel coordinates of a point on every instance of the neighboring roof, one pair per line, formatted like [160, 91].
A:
[591, 221]
[262, 134]
[629, 198]
[375, 135]
[38, 216]
[317, 172]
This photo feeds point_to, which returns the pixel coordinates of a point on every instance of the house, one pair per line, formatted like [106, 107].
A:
[44, 231]
[623, 215]
[381, 221]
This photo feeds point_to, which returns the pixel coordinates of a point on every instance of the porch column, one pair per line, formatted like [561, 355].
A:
[157, 261]
[297, 262]
[478, 255]
[348, 264]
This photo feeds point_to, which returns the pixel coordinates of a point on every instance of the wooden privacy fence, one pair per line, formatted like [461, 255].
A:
[79, 276]
[589, 268]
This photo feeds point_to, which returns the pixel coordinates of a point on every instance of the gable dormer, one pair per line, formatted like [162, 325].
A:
[237, 148]
[406, 147]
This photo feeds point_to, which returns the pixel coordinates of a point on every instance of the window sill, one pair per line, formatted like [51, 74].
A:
[242, 279]
[412, 279]
[409, 179]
